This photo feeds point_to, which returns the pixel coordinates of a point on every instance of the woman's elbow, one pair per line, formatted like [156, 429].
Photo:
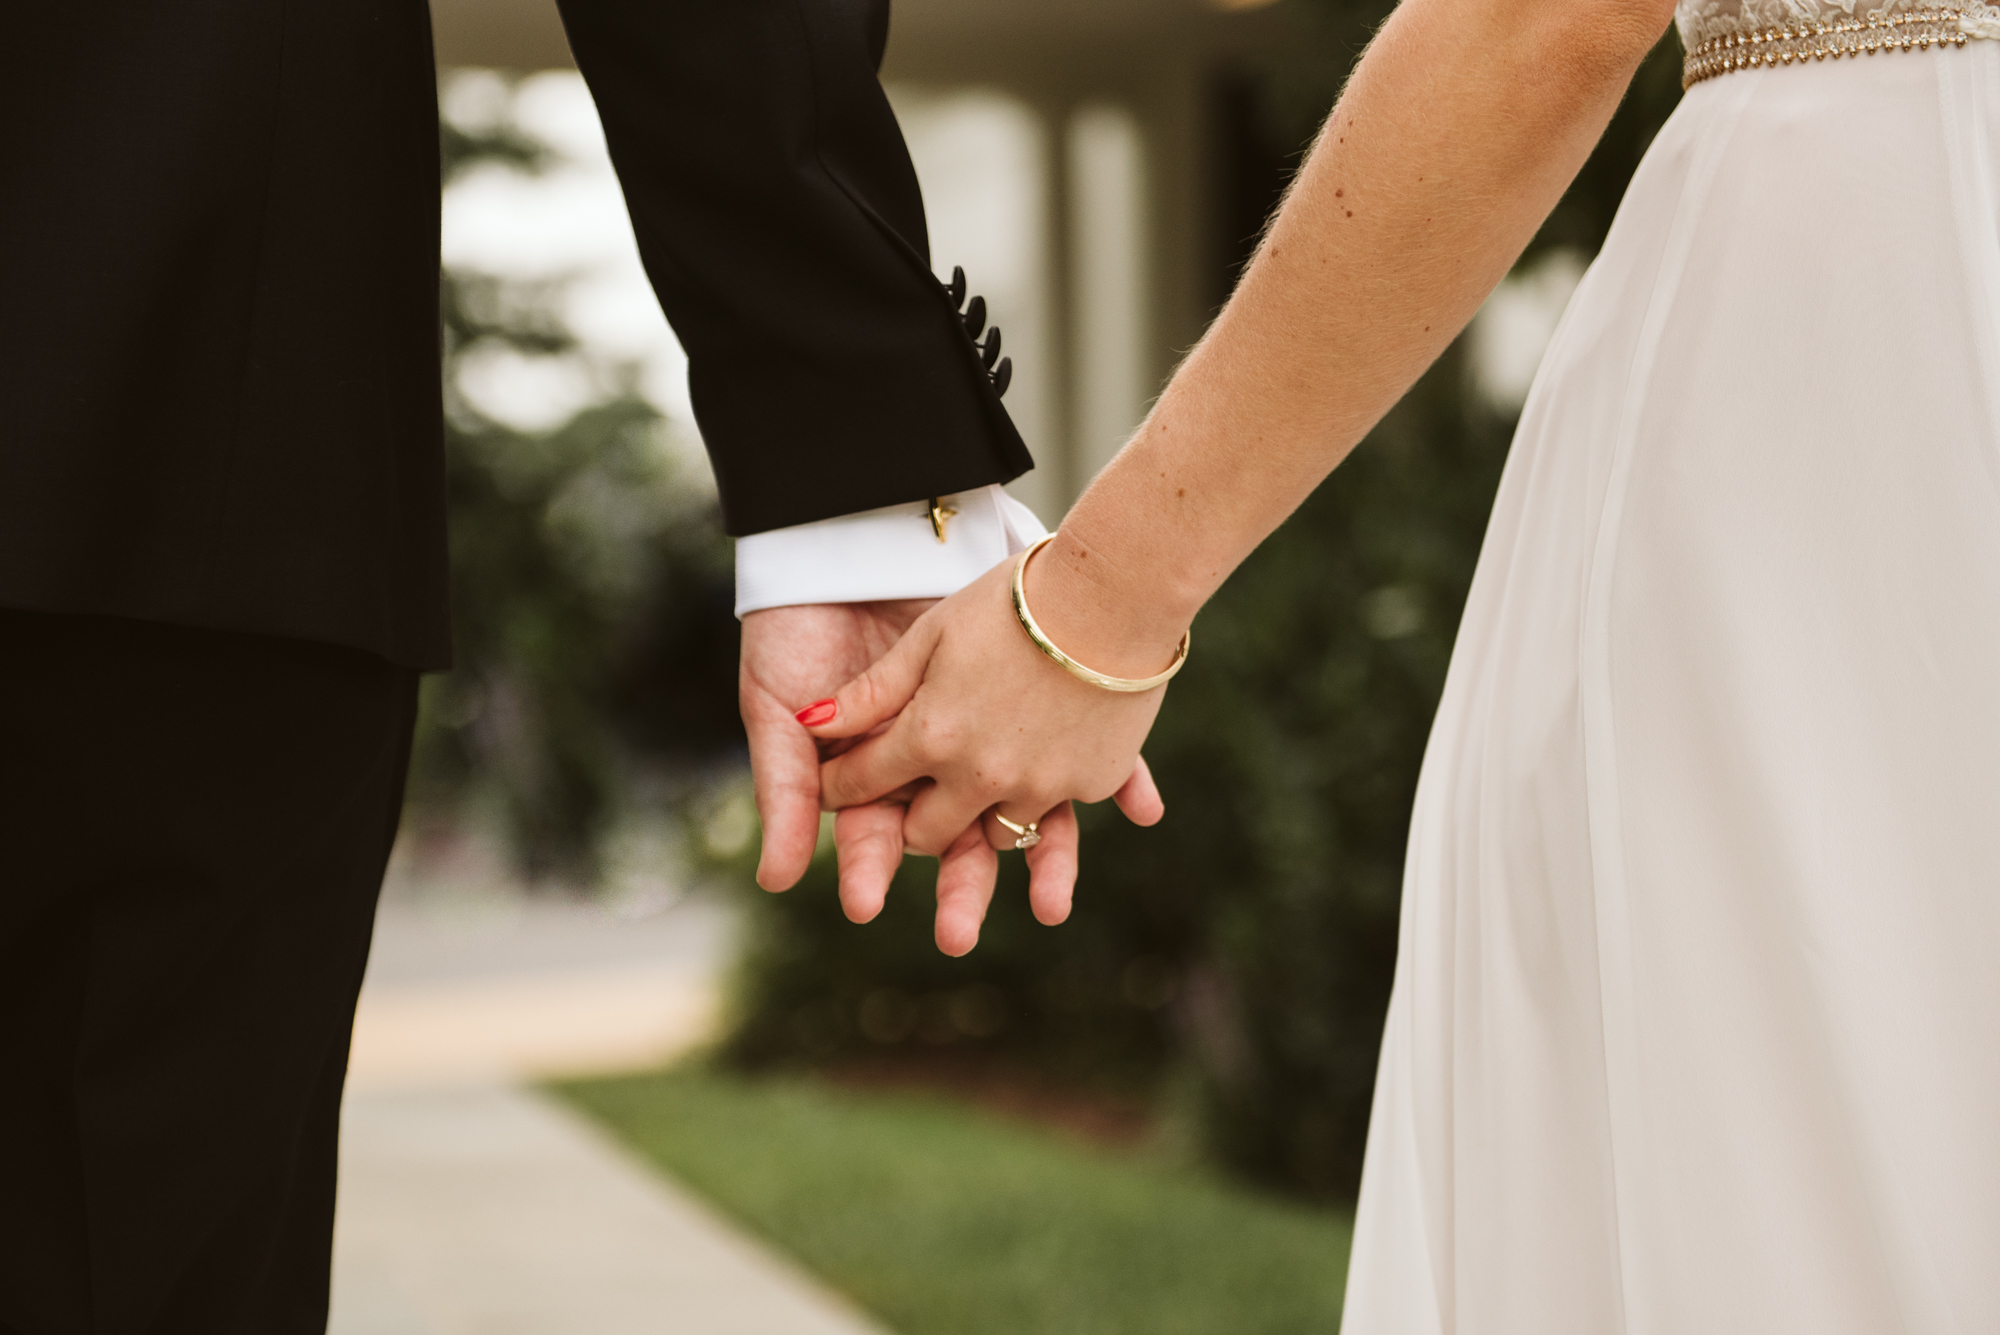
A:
[1632, 27]
[1602, 38]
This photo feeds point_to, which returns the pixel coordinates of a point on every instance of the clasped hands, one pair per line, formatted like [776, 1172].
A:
[916, 722]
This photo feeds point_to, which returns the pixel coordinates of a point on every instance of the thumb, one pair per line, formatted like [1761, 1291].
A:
[784, 766]
[879, 694]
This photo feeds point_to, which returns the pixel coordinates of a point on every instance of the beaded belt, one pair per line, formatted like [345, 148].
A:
[1905, 30]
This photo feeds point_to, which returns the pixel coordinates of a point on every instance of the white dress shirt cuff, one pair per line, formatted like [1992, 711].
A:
[881, 554]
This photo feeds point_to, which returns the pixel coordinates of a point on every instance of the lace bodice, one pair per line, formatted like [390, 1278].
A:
[1703, 20]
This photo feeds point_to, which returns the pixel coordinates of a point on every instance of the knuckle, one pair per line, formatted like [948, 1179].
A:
[1039, 795]
[869, 691]
[1103, 790]
[1002, 780]
[932, 738]
[1107, 779]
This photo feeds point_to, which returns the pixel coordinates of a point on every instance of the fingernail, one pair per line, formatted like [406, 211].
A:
[816, 713]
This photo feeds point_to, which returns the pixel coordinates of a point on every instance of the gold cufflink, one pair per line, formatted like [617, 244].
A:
[941, 514]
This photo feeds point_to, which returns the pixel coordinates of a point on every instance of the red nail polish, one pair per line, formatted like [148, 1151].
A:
[816, 713]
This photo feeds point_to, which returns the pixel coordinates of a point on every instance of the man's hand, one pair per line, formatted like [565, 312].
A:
[793, 656]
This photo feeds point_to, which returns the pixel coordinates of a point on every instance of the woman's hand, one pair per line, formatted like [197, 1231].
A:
[979, 722]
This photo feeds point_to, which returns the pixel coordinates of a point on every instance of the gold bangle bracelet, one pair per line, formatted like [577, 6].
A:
[1070, 665]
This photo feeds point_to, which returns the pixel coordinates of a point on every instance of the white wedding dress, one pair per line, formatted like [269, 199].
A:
[1696, 1023]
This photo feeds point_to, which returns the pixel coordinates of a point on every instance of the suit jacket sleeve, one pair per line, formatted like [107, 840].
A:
[780, 221]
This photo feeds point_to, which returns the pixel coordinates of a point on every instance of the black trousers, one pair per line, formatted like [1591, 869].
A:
[193, 828]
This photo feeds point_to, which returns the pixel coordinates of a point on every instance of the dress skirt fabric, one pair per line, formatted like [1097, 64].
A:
[1696, 1023]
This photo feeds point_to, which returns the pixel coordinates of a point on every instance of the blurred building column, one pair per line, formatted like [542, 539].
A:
[1114, 350]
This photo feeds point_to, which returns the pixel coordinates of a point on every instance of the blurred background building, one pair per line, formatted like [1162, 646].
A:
[1071, 153]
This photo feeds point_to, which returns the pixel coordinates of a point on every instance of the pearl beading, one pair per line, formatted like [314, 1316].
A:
[1785, 44]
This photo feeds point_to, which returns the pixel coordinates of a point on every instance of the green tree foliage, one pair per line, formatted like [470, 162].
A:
[1250, 939]
[590, 584]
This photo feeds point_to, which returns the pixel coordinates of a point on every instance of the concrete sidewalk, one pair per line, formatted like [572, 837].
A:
[471, 1205]
[496, 1211]
[502, 986]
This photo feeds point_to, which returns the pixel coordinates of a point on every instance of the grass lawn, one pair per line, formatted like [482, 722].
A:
[945, 1220]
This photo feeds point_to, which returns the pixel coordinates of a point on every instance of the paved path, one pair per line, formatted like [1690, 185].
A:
[499, 987]
[470, 1205]
[497, 1212]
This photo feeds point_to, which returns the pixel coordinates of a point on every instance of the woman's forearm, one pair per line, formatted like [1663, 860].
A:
[1458, 133]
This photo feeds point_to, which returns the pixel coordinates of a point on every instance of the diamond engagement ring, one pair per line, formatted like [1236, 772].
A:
[1029, 835]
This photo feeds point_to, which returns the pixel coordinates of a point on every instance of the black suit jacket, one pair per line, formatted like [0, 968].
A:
[219, 364]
